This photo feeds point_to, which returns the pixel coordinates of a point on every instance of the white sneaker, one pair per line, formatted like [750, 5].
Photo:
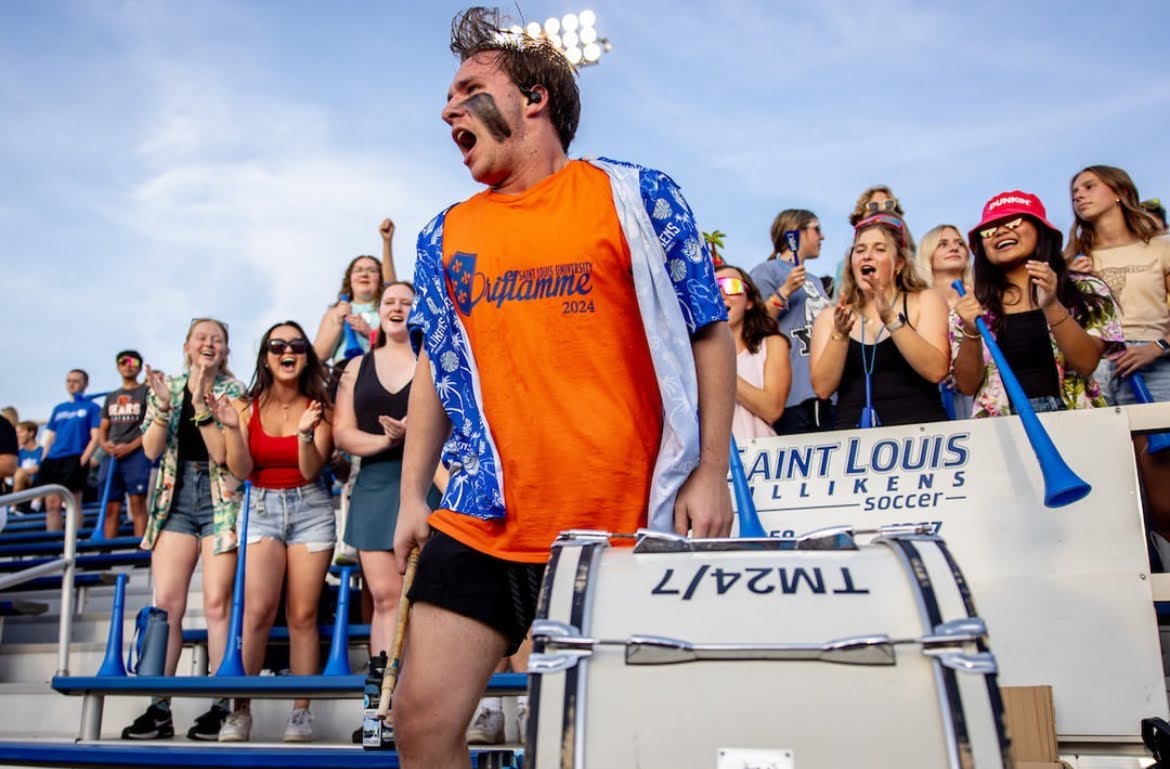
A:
[237, 727]
[299, 727]
[487, 728]
[522, 720]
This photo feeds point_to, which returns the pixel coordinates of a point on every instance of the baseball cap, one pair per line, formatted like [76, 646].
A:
[1007, 205]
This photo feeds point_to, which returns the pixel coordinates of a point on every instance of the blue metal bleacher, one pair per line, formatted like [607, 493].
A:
[93, 754]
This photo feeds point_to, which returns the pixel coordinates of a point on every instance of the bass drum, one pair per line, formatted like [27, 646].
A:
[811, 651]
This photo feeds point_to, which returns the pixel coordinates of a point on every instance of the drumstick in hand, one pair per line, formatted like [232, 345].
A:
[390, 679]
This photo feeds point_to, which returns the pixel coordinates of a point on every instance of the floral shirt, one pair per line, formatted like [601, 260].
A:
[225, 488]
[1077, 392]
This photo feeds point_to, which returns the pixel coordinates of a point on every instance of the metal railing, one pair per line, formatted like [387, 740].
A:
[64, 565]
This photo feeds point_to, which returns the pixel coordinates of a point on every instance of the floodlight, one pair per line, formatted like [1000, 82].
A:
[570, 39]
[587, 18]
[552, 26]
[534, 29]
[592, 53]
[588, 35]
[574, 55]
[569, 22]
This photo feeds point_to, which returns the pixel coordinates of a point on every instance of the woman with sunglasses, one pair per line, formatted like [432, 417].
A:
[883, 345]
[370, 422]
[794, 298]
[357, 300]
[1115, 237]
[880, 199]
[761, 361]
[280, 439]
[1052, 325]
[192, 512]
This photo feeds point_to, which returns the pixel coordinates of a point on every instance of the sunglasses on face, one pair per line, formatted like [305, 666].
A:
[730, 286]
[988, 232]
[128, 361]
[295, 346]
[874, 207]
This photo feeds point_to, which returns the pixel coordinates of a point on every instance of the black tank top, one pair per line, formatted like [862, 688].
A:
[191, 445]
[1023, 338]
[371, 400]
[899, 393]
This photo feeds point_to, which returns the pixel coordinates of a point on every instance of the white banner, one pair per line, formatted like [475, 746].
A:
[1065, 591]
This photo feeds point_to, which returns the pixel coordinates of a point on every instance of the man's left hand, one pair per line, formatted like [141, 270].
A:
[703, 505]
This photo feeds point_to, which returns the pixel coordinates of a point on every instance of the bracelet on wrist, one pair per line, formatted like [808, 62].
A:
[837, 336]
[305, 436]
[967, 335]
[1067, 315]
[203, 419]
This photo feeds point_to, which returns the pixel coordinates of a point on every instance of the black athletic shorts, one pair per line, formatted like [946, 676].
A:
[66, 471]
[500, 594]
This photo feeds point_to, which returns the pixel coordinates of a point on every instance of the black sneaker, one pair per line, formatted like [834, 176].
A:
[154, 724]
[207, 726]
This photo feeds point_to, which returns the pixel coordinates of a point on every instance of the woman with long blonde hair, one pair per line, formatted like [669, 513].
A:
[193, 512]
[1117, 238]
[883, 345]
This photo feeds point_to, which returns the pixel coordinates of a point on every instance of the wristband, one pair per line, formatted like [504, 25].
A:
[200, 420]
[306, 436]
[837, 336]
[970, 336]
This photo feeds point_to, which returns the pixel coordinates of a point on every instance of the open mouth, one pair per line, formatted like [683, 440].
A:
[288, 364]
[207, 355]
[396, 317]
[465, 139]
[1006, 243]
[868, 269]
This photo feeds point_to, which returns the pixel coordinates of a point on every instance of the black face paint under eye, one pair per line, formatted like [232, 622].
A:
[483, 106]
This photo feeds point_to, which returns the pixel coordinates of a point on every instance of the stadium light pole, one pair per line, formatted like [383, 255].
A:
[574, 35]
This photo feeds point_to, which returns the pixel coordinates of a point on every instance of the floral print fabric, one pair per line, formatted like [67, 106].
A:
[1077, 392]
[225, 488]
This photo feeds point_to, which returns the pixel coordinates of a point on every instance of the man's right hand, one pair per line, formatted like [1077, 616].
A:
[412, 530]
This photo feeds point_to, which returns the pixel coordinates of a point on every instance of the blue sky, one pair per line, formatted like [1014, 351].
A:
[163, 160]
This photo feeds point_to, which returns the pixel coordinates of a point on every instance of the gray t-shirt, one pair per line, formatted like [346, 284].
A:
[796, 320]
[125, 410]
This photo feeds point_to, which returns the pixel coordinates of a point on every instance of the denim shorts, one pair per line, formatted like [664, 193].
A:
[191, 509]
[1157, 379]
[1118, 392]
[1046, 403]
[131, 475]
[298, 516]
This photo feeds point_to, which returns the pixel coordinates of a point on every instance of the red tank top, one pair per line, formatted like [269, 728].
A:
[274, 460]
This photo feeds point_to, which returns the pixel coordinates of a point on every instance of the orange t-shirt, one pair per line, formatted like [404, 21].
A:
[541, 282]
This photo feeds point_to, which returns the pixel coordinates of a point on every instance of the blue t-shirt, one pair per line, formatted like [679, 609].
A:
[29, 457]
[71, 422]
[796, 320]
